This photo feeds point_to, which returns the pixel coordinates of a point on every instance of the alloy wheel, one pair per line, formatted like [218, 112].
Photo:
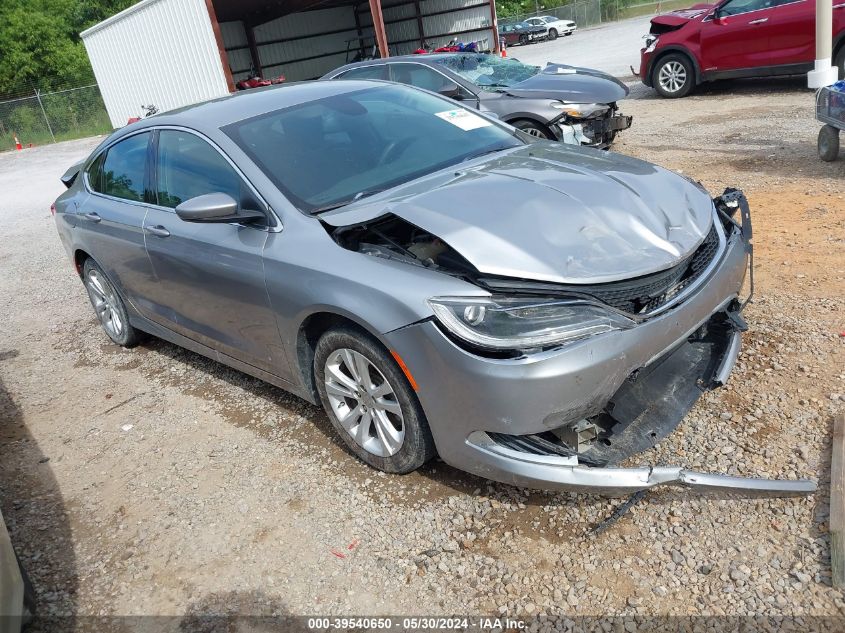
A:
[364, 402]
[672, 76]
[533, 131]
[105, 302]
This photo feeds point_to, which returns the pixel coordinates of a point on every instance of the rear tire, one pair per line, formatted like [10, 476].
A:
[828, 143]
[108, 306]
[673, 76]
[552, 34]
[370, 402]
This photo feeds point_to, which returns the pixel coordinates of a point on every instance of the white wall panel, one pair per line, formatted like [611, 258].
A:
[158, 51]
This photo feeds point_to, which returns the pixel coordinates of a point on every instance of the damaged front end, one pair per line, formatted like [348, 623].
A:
[609, 404]
[590, 125]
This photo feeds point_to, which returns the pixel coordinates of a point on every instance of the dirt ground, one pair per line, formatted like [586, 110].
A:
[153, 481]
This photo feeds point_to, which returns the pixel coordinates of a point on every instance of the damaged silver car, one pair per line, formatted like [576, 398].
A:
[442, 283]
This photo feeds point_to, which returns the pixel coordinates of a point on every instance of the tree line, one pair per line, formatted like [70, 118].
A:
[40, 45]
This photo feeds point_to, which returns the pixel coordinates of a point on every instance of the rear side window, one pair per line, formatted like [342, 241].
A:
[378, 71]
[123, 169]
[95, 172]
[189, 167]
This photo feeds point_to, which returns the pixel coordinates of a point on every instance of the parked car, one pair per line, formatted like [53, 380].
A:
[564, 103]
[440, 282]
[522, 33]
[555, 25]
[732, 39]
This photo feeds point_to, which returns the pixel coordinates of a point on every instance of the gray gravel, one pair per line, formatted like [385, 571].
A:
[175, 485]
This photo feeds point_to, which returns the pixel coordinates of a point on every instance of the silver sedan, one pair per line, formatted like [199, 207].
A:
[442, 283]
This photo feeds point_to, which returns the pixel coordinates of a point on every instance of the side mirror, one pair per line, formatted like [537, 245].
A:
[215, 207]
[453, 91]
[719, 19]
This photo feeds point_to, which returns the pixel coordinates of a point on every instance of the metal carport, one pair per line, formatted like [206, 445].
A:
[173, 53]
[304, 39]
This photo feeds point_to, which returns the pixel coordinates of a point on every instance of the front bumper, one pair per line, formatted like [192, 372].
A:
[645, 67]
[596, 133]
[469, 399]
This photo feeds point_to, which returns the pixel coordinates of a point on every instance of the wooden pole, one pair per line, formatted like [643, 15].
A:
[837, 502]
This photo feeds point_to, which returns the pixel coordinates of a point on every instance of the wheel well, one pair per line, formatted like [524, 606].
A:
[676, 51]
[310, 331]
[79, 258]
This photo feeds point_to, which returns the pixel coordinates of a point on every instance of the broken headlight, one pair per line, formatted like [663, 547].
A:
[523, 323]
[581, 110]
[650, 42]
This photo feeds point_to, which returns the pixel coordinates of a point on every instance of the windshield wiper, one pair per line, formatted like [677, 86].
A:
[336, 205]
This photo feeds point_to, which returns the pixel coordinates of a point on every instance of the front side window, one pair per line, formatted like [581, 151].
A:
[124, 168]
[378, 71]
[736, 7]
[331, 151]
[420, 76]
[489, 72]
[189, 167]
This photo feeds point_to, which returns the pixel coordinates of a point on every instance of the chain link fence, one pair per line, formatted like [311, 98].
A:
[39, 117]
[587, 13]
[583, 13]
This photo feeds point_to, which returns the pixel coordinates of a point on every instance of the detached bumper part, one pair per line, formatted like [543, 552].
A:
[565, 473]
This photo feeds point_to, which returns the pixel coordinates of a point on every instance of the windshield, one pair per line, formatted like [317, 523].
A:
[489, 72]
[338, 149]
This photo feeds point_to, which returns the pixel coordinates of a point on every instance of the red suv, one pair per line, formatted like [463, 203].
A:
[734, 38]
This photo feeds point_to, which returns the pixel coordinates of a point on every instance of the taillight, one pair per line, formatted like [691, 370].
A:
[53, 209]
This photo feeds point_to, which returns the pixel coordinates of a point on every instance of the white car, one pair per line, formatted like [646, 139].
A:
[555, 25]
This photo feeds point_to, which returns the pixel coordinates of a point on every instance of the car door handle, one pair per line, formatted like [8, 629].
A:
[157, 230]
[94, 217]
[760, 21]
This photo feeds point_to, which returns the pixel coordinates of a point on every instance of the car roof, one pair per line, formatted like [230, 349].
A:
[420, 58]
[239, 106]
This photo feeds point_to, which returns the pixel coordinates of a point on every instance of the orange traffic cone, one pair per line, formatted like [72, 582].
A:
[17, 143]
[504, 52]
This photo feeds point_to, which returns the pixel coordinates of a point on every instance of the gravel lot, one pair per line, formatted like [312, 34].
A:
[153, 481]
[613, 48]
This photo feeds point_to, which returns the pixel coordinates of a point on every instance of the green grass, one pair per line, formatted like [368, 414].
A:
[653, 8]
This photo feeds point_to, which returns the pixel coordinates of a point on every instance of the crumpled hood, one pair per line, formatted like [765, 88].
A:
[682, 16]
[572, 84]
[549, 212]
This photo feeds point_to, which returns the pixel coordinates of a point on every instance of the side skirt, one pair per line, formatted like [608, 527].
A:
[170, 336]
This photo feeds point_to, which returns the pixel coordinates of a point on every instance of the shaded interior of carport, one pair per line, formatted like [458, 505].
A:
[304, 39]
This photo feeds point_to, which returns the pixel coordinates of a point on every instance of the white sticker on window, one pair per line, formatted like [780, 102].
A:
[464, 119]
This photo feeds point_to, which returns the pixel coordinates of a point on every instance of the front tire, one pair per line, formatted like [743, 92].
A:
[108, 306]
[533, 129]
[370, 402]
[673, 76]
[839, 61]
[523, 40]
[552, 34]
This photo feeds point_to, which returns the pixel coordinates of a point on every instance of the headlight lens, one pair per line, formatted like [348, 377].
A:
[523, 323]
[581, 110]
[650, 43]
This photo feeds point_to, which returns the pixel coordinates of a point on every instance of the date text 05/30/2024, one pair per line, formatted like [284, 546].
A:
[423, 623]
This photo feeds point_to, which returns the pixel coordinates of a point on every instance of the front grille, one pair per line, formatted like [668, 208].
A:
[646, 294]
